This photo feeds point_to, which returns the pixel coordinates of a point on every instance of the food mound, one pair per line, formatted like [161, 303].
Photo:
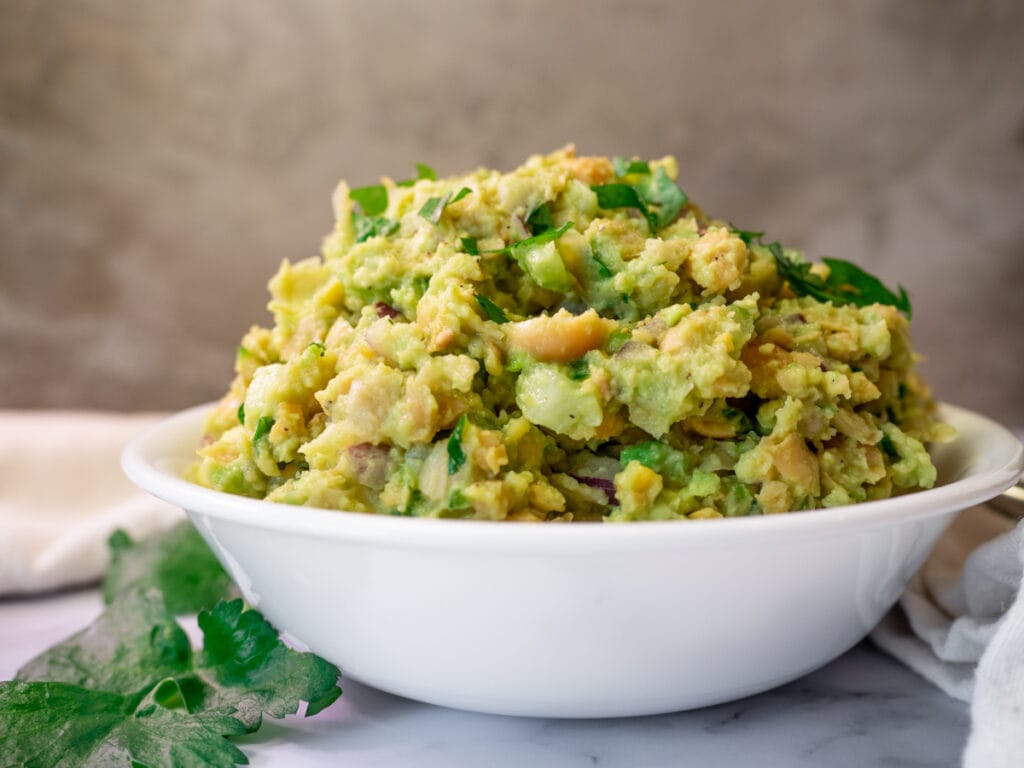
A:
[574, 340]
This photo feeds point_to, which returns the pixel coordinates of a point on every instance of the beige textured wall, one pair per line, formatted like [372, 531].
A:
[157, 160]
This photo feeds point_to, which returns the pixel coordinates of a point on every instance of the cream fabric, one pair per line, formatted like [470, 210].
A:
[960, 624]
[62, 493]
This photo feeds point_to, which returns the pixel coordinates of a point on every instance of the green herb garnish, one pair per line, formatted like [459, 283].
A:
[579, 369]
[656, 196]
[470, 246]
[747, 235]
[889, 448]
[492, 310]
[178, 563]
[263, 427]
[548, 236]
[659, 189]
[624, 167]
[457, 500]
[373, 226]
[372, 200]
[434, 207]
[846, 284]
[368, 221]
[602, 269]
[241, 413]
[130, 689]
[456, 456]
[422, 172]
[540, 219]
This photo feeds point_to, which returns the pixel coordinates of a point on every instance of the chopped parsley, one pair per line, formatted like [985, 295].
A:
[434, 207]
[130, 690]
[579, 369]
[624, 167]
[457, 500]
[746, 235]
[655, 195]
[846, 283]
[373, 226]
[456, 456]
[422, 172]
[492, 310]
[548, 236]
[368, 219]
[241, 413]
[540, 219]
[372, 201]
[889, 448]
[470, 245]
[178, 563]
[263, 427]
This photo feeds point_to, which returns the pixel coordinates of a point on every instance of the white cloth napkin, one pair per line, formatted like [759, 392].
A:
[960, 624]
[62, 494]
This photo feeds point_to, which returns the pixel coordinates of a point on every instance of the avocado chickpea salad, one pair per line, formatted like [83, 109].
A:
[575, 340]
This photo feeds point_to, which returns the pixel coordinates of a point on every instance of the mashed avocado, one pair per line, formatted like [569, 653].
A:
[574, 340]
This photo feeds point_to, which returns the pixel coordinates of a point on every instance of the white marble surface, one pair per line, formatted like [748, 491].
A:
[864, 709]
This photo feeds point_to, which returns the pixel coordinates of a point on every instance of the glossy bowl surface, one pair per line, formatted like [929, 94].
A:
[584, 620]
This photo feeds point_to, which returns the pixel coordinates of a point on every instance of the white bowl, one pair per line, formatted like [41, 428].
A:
[579, 620]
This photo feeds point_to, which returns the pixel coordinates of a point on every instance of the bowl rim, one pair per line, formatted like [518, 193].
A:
[154, 458]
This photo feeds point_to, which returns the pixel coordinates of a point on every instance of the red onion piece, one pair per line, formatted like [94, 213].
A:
[602, 484]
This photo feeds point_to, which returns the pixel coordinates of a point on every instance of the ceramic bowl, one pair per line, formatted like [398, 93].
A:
[577, 620]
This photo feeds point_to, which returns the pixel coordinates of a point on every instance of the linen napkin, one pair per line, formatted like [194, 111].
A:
[62, 494]
[960, 624]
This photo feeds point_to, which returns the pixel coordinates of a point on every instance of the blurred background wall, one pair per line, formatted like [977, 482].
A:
[158, 160]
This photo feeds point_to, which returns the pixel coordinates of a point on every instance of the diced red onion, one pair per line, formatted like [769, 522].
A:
[600, 483]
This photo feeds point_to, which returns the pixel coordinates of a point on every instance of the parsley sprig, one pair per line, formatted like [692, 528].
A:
[130, 689]
[369, 220]
[658, 198]
[456, 456]
[846, 283]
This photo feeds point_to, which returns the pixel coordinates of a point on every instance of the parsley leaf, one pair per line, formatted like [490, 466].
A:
[659, 189]
[548, 236]
[373, 226]
[178, 563]
[579, 369]
[244, 665]
[540, 219]
[846, 284]
[130, 690]
[434, 207]
[263, 427]
[372, 200]
[367, 220]
[746, 235]
[625, 167]
[456, 456]
[60, 724]
[241, 413]
[469, 245]
[656, 196]
[422, 172]
[492, 310]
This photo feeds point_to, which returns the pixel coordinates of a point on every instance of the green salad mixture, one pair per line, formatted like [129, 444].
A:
[573, 340]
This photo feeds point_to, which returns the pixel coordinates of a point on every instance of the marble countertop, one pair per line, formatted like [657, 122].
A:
[864, 709]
